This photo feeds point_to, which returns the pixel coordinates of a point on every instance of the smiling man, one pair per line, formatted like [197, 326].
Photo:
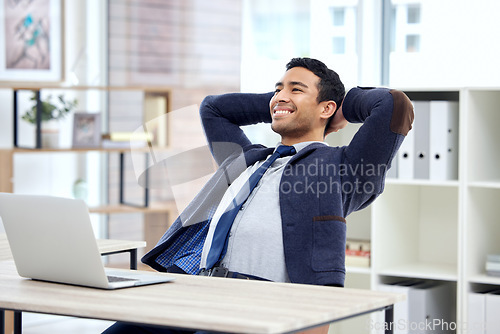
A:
[279, 214]
[299, 109]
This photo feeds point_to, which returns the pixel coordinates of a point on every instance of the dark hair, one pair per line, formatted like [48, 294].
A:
[330, 87]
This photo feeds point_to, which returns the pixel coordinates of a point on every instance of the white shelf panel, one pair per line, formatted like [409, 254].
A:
[435, 271]
[495, 184]
[485, 279]
[125, 149]
[164, 207]
[358, 270]
[416, 182]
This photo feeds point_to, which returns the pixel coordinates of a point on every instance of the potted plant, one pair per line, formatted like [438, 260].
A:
[50, 112]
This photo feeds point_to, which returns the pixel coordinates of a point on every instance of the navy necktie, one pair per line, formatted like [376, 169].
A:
[219, 240]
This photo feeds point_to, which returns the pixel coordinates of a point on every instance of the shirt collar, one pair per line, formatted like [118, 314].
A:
[300, 146]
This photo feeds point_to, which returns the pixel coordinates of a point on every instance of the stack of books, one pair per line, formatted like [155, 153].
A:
[493, 265]
[357, 253]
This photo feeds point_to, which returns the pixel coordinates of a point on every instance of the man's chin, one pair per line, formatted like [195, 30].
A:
[275, 129]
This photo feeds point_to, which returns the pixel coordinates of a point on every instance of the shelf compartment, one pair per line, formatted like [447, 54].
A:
[417, 231]
[416, 182]
[153, 101]
[359, 229]
[482, 231]
[120, 208]
[355, 280]
[485, 279]
[86, 150]
[483, 157]
[359, 225]
[358, 270]
[420, 270]
[493, 184]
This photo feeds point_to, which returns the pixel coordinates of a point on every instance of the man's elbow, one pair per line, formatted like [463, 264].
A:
[207, 106]
[402, 113]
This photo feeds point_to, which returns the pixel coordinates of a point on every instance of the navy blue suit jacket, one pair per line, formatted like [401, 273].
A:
[320, 186]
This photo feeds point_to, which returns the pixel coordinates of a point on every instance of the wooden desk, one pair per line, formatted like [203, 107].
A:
[195, 302]
[106, 247]
[111, 246]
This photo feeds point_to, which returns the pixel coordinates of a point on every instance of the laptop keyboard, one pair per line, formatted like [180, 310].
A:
[113, 279]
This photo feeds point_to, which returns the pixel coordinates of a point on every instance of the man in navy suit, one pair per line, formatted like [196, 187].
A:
[292, 227]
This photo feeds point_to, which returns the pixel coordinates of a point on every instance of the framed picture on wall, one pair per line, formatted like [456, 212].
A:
[31, 41]
[86, 130]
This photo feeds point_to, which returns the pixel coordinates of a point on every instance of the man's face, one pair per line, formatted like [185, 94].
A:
[294, 108]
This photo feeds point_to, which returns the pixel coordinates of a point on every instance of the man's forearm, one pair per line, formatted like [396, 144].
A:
[223, 115]
[360, 102]
[238, 108]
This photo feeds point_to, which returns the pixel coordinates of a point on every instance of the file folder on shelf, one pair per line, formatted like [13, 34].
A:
[492, 312]
[401, 309]
[422, 139]
[476, 311]
[443, 140]
[433, 303]
[405, 157]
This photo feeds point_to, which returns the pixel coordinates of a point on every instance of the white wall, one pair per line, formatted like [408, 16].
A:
[458, 46]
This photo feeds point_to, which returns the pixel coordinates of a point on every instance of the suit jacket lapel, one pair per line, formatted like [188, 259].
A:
[203, 206]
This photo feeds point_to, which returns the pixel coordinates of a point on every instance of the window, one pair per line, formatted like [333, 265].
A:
[334, 36]
[338, 16]
[412, 43]
[413, 14]
[405, 28]
[338, 45]
[273, 33]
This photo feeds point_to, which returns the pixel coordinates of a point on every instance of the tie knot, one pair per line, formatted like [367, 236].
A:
[285, 151]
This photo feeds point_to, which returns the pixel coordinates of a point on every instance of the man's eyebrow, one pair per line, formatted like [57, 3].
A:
[298, 83]
[292, 83]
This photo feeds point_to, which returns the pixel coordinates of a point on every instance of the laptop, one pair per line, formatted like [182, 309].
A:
[52, 239]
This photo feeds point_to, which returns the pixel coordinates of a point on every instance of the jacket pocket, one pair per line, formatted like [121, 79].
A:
[329, 237]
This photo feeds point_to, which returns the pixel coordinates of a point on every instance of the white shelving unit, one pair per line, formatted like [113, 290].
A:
[481, 190]
[443, 230]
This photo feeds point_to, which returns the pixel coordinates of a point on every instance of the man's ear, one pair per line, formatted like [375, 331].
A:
[329, 109]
